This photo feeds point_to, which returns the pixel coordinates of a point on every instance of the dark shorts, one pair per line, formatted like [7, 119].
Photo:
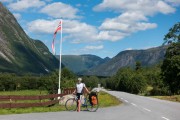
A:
[78, 95]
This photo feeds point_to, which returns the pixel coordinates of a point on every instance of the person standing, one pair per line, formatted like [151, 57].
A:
[79, 91]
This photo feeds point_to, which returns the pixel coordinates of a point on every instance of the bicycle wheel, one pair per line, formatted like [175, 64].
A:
[92, 108]
[71, 104]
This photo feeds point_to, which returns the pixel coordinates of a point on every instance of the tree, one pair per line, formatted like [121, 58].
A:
[171, 64]
[171, 68]
[7, 82]
[138, 65]
[138, 84]
[173, 35]
[66, 73]
[129, 80]
[91, 82]
[51, 81]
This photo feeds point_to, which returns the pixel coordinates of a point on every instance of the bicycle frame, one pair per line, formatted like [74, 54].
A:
[72, 104]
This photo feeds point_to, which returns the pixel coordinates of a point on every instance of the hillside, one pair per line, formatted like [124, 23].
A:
[18, 52]
[80, 63]
[128, 58]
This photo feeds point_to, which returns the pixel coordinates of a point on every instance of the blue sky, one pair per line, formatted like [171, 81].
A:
[99, 27]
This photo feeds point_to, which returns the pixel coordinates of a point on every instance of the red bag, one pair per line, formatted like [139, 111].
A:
[94, 100]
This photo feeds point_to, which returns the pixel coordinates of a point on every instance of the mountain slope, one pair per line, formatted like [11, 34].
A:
[79, 63]
[128, 58]
[18, 52]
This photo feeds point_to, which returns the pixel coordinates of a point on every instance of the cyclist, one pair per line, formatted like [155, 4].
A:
[79, 91]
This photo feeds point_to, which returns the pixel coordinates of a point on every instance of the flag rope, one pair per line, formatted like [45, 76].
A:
[59, 90]
[54, 52]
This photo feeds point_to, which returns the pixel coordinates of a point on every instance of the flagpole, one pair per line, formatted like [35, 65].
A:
[59, 89]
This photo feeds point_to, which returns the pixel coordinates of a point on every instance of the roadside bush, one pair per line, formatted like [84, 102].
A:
[159, 91]
[129, 80]
[91, 82]
[11, 82]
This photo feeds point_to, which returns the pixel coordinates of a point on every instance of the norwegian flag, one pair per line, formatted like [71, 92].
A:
[57, 29]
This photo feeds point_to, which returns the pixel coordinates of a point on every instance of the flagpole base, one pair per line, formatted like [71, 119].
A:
[59, 91]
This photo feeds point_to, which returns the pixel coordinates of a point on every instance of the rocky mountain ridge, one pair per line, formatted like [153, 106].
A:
[18, 52]
[129, 58]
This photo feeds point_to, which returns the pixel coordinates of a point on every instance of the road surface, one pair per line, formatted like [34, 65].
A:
[134, 107]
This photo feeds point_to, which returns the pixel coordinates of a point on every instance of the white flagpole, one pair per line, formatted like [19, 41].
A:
[59, 89]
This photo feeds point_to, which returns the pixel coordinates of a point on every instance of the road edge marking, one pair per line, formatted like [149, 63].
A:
[147, 109]
[165, 118]
[126, 101]
[133, 104]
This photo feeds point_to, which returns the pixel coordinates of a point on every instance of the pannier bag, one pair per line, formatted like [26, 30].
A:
[93, 98]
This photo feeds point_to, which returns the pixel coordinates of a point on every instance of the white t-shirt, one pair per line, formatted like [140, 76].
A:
[80, 87]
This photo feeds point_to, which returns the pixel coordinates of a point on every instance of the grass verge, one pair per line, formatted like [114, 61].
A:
[24, 92]
[174, 98]
[32, 110]
[105, 100]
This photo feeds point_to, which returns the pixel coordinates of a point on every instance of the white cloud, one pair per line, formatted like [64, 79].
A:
[74, 26]
[69, 26]
[128, 49]
[77, 31]
[147, 7]
[174, 2]
[17, 15]
[94, 47]
[82, 32]
[111, 35]
[148, 47]
[42, 26]
[8, 1]
[25, 4]
[133, 17]
[143, 26]
[60, 10]
[126, 24]
[164, 8]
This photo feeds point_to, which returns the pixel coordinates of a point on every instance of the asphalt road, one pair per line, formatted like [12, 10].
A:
[133, 108]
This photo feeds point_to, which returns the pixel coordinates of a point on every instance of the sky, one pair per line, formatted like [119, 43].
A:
[99, 27]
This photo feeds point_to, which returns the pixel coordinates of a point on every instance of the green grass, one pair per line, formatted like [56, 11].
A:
[24, 92]
[32, 110]
[174, 98]
[105, 100]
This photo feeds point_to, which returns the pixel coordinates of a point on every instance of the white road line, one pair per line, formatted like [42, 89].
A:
[126, 101]
[133, 104]
[165, 118]
[147, 109]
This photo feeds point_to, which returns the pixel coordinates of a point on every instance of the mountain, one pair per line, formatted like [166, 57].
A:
[18, 52]
[129, 58]
[80, 63]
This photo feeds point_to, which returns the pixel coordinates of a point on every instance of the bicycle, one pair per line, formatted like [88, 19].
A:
[71, 104]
